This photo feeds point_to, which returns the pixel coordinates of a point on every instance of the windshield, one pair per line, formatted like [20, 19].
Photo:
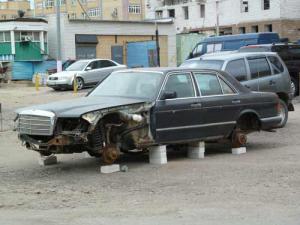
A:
[203, 64]
[77, 66]
[130, 84]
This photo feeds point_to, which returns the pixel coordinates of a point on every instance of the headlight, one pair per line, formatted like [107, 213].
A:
[91, 117]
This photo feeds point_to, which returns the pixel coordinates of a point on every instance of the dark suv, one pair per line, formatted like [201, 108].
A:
[290, 54]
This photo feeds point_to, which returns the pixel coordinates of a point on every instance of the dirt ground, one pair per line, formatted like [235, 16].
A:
[261, 187]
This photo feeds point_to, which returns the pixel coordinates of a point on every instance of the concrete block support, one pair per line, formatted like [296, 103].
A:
[110, 168]
[47, 160]
[238, 151]
[158, 155]
[196, 150]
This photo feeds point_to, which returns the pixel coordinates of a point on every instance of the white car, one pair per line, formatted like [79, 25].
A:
[87, 73]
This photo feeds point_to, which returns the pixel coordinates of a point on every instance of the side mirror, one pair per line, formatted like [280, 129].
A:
[191, 55]
[88, 68]
[169, 95]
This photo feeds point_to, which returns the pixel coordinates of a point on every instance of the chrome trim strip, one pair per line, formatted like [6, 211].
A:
[268, 119]
[196, 126]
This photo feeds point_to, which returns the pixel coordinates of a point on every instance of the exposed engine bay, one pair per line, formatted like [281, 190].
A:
[106, 132]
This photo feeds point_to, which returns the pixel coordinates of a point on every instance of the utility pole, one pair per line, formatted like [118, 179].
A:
[218, 18]
[58, 36]
[157, 44]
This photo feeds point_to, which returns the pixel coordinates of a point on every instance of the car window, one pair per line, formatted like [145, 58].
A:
[93, 65]
[208, 84]
[210, 48]
[226, 88]
[259, 67]
[106, 63]
[198, 49]
[276, 64]
[237, 69]
[181, 84]
[294, 52]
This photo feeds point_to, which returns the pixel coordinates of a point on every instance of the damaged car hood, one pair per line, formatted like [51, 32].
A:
[77, 107]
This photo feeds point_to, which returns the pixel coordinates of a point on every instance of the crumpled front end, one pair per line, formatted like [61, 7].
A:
[106, 132]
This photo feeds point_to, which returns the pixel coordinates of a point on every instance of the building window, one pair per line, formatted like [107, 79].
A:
[268, 28]
[73, 2]
[254, 29]
[171, 13]
[39, 5]
[242, 30]
[62, 2]
[27, 36]
[134, 9]
[202, 11]
[73, 16]
[186, 12]
[158, 14]
[49, 3]
[244, 6]
[266, 4]
[94, 12]
[5, 36]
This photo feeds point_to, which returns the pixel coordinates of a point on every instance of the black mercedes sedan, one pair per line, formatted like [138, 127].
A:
[139, 108]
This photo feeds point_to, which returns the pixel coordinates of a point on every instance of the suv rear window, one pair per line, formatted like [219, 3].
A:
[259, 67]
[203, 64]
[237, 69]
[276, 64]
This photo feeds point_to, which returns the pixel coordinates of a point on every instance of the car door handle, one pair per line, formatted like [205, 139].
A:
[271, 82]
[237, 101]
[247, 86]
[196, 105]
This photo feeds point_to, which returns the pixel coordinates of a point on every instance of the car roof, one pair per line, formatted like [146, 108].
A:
[235, 55]
[90, 60]
[270, 45]
[165, 70]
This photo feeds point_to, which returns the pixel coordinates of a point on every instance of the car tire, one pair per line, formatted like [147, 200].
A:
[80, 83]
[294, 86]
[284, 113]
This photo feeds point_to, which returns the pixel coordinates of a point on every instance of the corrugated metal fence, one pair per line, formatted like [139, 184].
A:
[26, 70]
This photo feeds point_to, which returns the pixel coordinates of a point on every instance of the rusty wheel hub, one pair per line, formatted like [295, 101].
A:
[110, 154]
[239, 139]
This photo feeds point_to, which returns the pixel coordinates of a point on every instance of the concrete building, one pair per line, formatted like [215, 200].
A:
[9, 9]
[235, 16]
[94, 9]
[100, 38]
[23, 39]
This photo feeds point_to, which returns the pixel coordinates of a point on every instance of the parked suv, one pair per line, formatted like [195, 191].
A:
[257, 71]
[289, 53]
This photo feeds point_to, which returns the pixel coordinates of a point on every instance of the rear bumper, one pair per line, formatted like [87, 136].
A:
[270, 122]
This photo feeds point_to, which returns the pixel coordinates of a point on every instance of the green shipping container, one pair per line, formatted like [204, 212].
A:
[185, 44]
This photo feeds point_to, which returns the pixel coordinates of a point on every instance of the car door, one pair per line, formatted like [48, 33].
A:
[238, 69]
[261, 75]
[89, 72]
[177, 119]
[221, 104]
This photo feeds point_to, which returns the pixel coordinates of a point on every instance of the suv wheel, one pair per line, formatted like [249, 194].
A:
[283, 113]
[80, 83]
[294, 86]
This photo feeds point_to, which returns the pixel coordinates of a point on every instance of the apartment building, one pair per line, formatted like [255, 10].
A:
[126, 10]
[9, 9]
[232, 16]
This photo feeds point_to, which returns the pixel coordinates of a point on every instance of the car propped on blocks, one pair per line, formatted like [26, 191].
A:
[140, 108]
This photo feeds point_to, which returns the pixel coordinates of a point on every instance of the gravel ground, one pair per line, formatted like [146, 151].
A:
[260, 187]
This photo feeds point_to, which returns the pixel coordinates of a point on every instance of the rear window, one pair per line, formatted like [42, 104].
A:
[276, 64]
[203, 64]
[237, 69]
[259, 67]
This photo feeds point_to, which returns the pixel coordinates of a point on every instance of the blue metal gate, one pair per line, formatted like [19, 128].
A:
[117, 53]
[141, 54]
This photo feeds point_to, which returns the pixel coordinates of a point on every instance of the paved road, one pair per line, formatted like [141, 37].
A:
[260, 187]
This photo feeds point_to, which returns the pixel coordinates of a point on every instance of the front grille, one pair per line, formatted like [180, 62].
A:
[53, 78]
[35, 125]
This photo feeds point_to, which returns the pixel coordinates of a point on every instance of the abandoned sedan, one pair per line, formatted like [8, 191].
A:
[135, 109]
